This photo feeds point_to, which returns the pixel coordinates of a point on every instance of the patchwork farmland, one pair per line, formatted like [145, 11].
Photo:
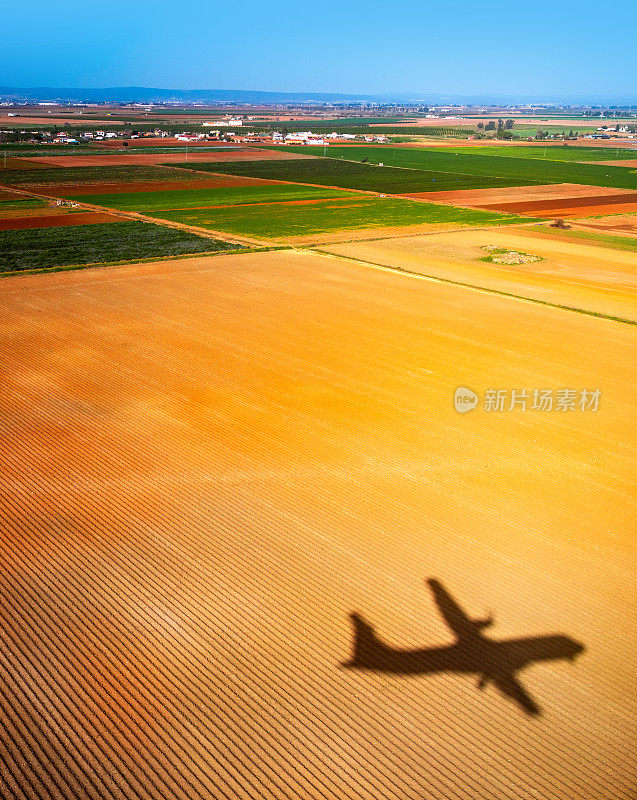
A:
[238, 501]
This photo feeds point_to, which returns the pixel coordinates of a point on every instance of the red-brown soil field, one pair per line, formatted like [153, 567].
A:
[208, 465]
[620, 223]
[54, 220]
[616, 141]
[69, 189]
[549, 191]
[579, 211]
[620, 202]
[626, 163]
[551, 200]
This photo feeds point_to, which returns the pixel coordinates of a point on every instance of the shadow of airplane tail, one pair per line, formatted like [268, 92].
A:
[368, 648]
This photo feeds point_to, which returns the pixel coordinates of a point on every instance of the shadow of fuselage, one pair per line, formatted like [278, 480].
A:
[491, 660]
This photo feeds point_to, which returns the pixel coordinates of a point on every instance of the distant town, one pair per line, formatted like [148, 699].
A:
[73, 124]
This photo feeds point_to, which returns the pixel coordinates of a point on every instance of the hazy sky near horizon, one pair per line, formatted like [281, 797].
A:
[562, 48]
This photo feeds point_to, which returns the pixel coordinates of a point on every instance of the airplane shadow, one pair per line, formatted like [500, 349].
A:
[491, 660]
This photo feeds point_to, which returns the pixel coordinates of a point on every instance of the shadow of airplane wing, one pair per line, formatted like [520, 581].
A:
[512, 688]
[457, 620]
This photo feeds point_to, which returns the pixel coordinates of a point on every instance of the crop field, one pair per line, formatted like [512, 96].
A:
[16, 163]
[470, 164]
[15, 202]
[358, 212]
[551, 152]
[525, 130]
[212, 468]
[351, 175]
[209, 196]
[48, 247]
[603, 231]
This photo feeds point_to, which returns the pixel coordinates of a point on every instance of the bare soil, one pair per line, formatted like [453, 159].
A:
[208, 465]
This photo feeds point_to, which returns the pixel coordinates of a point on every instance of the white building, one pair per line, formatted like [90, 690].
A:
[224, 123]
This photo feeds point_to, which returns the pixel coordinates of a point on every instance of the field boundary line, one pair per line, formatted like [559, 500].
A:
[481, 289]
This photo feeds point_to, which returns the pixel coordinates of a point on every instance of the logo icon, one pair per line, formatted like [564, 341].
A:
[465, 399]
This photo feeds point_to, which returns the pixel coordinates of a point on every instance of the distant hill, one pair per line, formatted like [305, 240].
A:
[140, 94]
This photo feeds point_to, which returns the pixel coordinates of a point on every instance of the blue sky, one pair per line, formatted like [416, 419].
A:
[540, 48]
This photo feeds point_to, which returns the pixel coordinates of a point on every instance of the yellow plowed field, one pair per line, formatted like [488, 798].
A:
[571, 272]
[208, 465]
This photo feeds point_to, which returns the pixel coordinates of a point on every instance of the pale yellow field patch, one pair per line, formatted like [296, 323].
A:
[587, 276]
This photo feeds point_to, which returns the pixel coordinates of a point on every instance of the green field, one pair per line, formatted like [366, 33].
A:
[351, 175]
[551, 152]
[192, 198]
[356, 212]
[468, 165]
[90, 244]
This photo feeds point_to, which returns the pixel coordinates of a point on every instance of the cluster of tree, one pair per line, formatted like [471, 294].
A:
[540, 134]
[15, 136]
[610, 112]
[501, 126]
